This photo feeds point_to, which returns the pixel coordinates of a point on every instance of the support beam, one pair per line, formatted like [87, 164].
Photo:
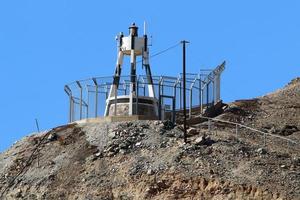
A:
[132, 82]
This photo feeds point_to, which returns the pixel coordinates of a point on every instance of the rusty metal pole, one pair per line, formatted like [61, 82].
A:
[184, 87]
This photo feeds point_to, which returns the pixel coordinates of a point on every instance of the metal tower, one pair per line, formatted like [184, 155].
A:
[132, 104]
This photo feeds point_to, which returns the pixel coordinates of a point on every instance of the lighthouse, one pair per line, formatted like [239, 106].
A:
[133, 103]
[142, 96]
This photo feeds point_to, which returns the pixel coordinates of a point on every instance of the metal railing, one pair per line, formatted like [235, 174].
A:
[87, 98]
[290, 143]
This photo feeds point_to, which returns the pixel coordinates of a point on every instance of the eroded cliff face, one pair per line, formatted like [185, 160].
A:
[148, 159]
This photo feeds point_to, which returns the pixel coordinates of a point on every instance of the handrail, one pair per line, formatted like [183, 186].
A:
[250, 128]
[87, 90]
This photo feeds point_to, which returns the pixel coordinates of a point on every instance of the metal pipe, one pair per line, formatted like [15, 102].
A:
[72, 110]
[81, 109]
[207, 95]
[199, 91]
[69, 93]
[173, 110]
[162, 91]
[96, 96]
[80, 112]
[180, 93]
[137, 98]
[174, 91]
[116, 91]
[87, 111]
[88, 102]
[213, 92]
[159, 101]
[201, 101]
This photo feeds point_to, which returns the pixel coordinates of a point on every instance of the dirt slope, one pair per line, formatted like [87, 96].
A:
[148, 159]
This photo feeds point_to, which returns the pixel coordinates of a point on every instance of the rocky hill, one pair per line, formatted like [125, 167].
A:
[149, 160]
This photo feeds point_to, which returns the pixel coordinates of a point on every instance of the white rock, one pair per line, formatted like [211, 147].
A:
[98, 154]
[138, 144]
[192, 131]
[150, 172]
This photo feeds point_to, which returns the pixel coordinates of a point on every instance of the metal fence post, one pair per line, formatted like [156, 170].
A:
[88, 102]
[137, 97]
[69, 93]
[213, 92]
[72, 109]
[174, 102]
[159, 101]
[96, 96]
[199, 91]
[180, 95]
[201, 103]
[162, 92]
[174, 91]
[173, 108]
[191, 102]
[116, 91]
[80, 103]
[207, 95]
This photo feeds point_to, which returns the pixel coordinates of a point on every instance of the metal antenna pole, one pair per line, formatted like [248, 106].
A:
[37, 125]
[184, 87]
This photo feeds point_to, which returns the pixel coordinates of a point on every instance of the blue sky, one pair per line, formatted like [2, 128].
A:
[46, 44]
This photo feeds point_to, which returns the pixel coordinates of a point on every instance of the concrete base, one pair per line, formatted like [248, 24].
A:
[117, 119]
[120, 106]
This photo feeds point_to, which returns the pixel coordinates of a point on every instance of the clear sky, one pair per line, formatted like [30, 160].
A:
[46, 44]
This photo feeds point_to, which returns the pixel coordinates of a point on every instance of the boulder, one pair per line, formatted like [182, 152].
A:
[192, 132]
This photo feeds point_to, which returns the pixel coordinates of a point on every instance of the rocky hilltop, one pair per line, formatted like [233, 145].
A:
[149, 160]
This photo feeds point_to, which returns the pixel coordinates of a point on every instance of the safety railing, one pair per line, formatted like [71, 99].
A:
[87, 98]
[283, 141]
